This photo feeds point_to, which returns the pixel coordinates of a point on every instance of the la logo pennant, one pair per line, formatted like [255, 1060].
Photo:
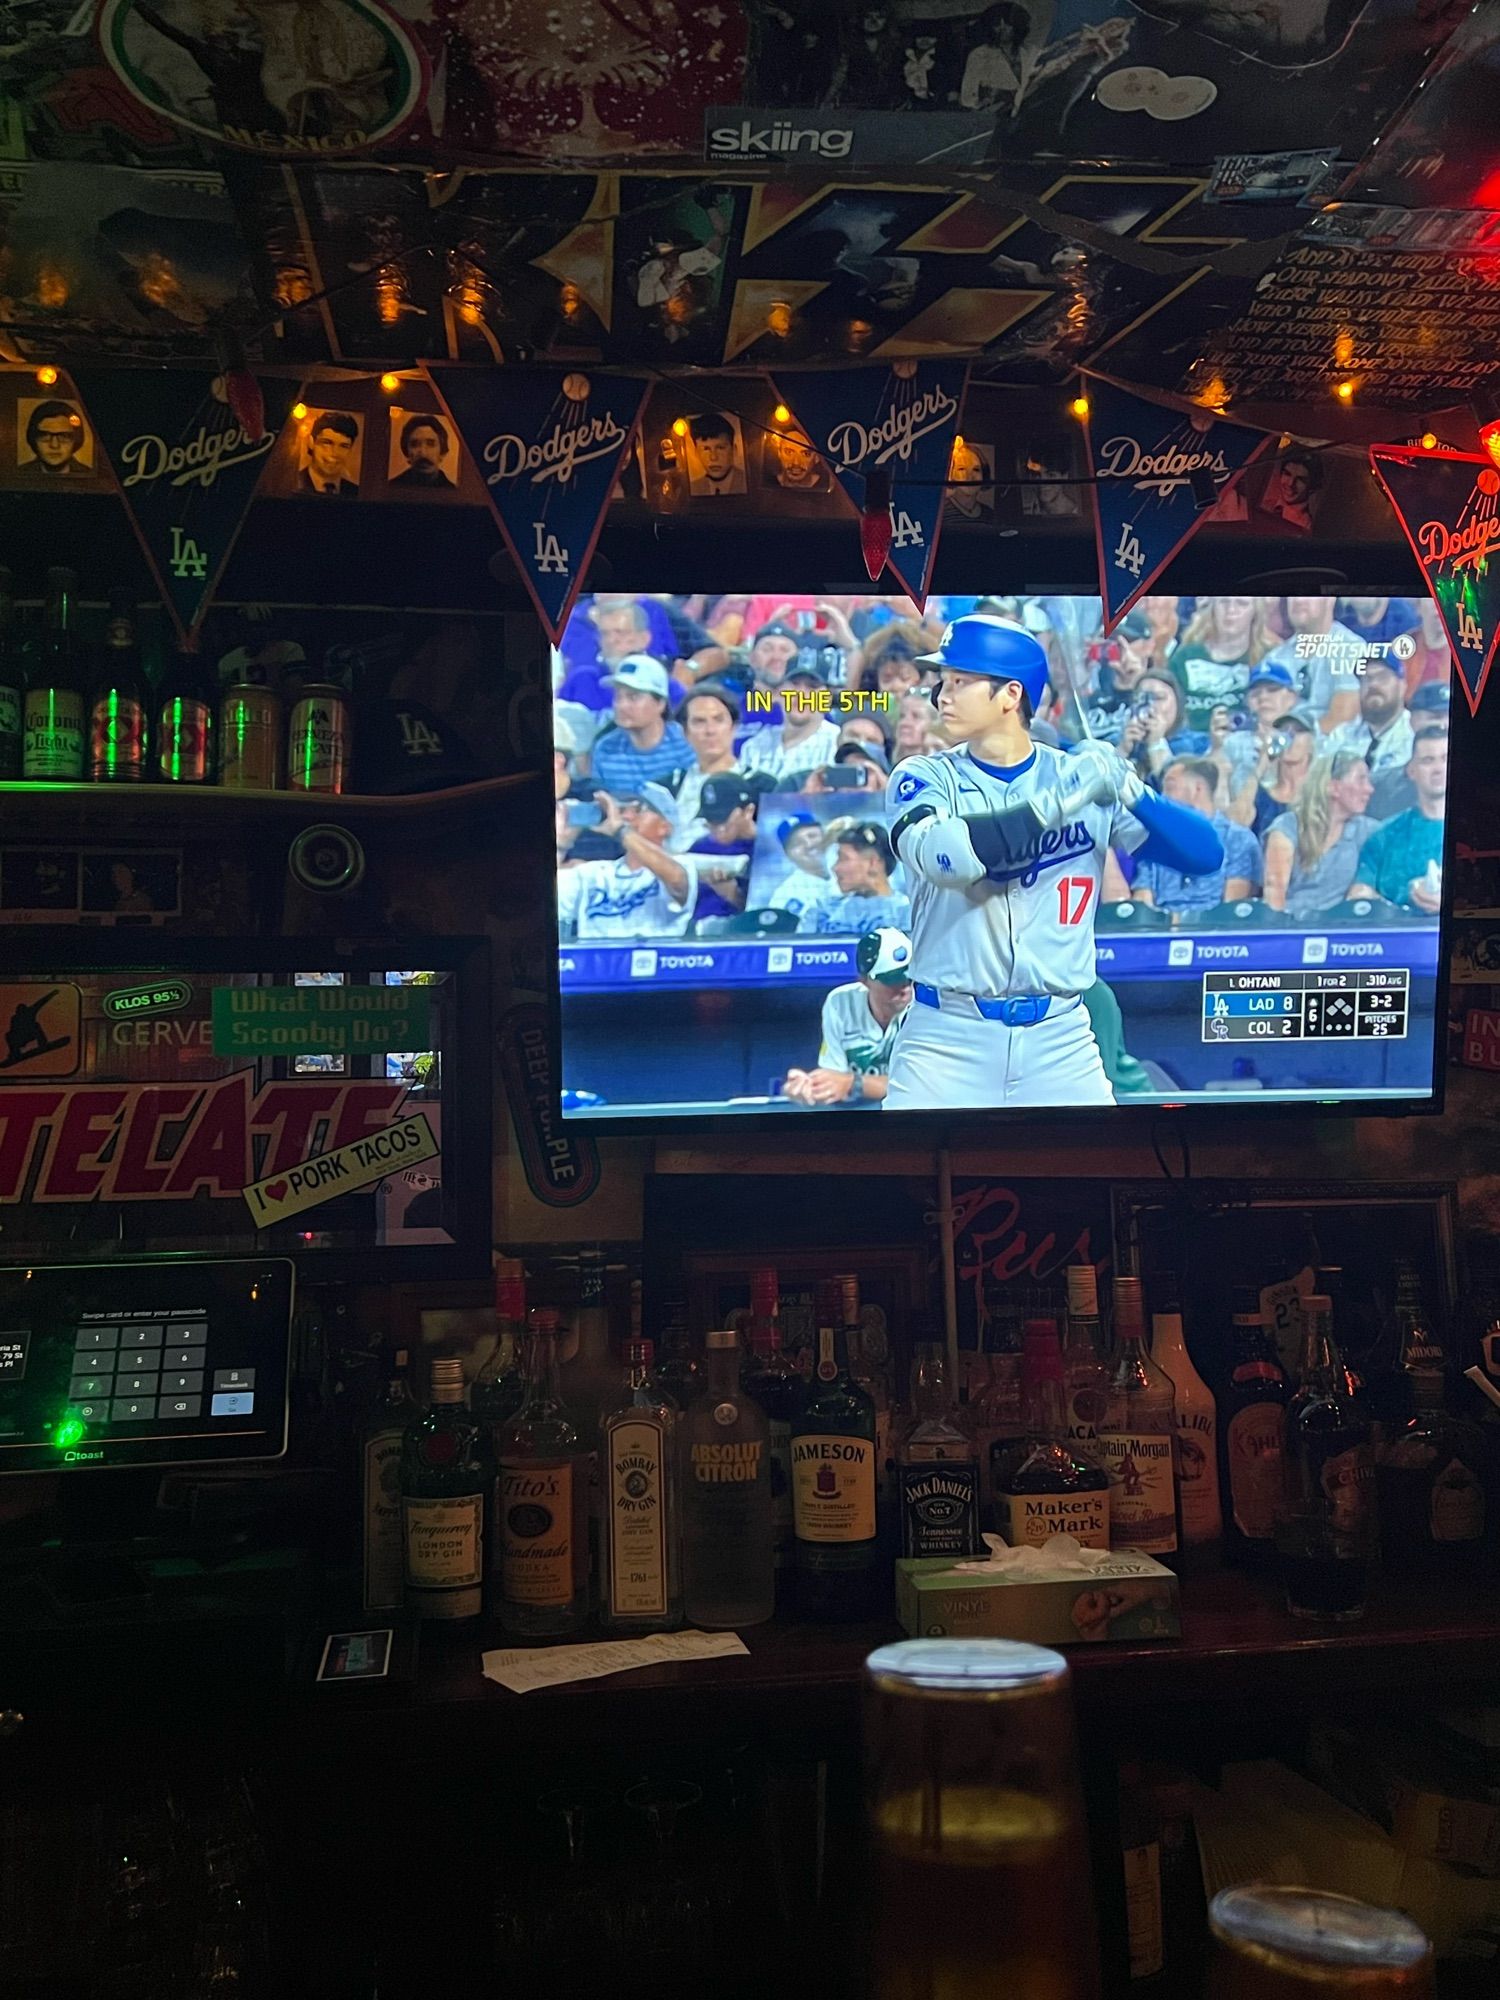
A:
[186, 470]
[901, 420]
[549, 444]
[1446, 502]
[1145, 462]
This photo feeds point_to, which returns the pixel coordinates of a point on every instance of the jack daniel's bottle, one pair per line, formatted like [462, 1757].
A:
[937, 1463]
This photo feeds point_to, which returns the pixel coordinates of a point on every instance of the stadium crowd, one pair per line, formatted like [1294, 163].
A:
[721, 764]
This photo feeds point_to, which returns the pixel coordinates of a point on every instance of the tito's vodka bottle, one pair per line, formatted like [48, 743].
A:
[728, 1559]
[541, 1505]
[1138, 1439]
[638, 1550]
[446, 1476]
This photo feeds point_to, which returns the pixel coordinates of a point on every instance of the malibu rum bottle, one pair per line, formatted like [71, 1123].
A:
[1197, 1444]
[1250, 1411]
[1138, 1439]
[380, 1490]
[833, 1479]
[639, 1588]
[728, 1556]
[446, 1476]
[540, 1564]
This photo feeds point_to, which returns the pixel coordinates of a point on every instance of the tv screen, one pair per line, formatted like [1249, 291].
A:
[825, 855]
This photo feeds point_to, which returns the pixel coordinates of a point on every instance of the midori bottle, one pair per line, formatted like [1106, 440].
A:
[638, 1548]
[728, 1557]
[540, 1564]
[1138, 1439]
[1197, 1444]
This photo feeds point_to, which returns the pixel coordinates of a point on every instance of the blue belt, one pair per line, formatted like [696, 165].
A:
[1021, 1012]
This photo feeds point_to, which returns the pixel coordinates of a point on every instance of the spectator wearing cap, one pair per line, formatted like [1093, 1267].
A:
[728, 807]
[1118, 688]
[708, 717]
[1246, 755]
[862, 868]
[1265, 796]
[1381, 732]
[871, 766]
[859, 1026]
[805, 740]
[869, 726]
[1193, 782]
[807, 882]
[1430, 661]
[645, 744]
[772, 652]
[1376, 621]
[1403, 861]
[1323, 659]
[646, 893]
[611, 627]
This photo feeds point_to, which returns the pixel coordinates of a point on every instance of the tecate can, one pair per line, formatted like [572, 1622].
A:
[249, 738]
[317, 739]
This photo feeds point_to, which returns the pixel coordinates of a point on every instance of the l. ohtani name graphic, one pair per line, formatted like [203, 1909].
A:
[895, 436]
[1157, 471]
[556, 456]
[197, 463]
[1466, 547]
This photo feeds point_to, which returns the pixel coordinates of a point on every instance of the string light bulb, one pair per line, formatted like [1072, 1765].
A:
[390, 383]
[779, 319]
[46, 375]
[679, 427]
[1080, 407]
[1345, 390]
[781, 414]
[1429, 440]
[299, 411]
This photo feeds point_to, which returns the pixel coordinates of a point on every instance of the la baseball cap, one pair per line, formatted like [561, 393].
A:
[1272, 673]
[848, 752]
[884, 954]
[1431, 698]
[657, 797]
[1134, 625]
[785, 828]
[641, 675]
[725, 794]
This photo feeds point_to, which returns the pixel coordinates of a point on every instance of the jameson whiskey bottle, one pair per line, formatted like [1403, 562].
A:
[53, 724]
[777, 1387]
[1044, 1484]
[728, 1556]
[1197, 1444]
[937, 1466]
[833, 1479]
[639, 1589]
[540, 1565]
[1085, 1371]
[1250, 1411]
[185, 722]
[380, 1489]
[1326, 1531]
[500, 1386]
[446, 1476]
[1138, 1439]
[119, 701]
[12, 685]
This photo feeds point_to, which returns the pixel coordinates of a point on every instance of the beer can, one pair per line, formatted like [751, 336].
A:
[249, 738]
[317, 739]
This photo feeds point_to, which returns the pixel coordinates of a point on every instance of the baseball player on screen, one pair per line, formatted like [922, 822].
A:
[859, 1025]
[1003, 842]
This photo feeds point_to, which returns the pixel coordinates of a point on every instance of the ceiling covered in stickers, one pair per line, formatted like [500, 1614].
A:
[1242, 202]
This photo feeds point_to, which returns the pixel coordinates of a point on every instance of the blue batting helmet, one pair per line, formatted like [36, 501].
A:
[995, 646]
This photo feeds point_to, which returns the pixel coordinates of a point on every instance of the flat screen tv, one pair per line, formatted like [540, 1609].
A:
[747, 927]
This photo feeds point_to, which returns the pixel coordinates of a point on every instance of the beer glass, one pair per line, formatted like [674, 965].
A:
[1303, 1944]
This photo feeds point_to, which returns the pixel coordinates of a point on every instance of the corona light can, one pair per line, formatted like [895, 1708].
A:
[249, 738]
[317, 739]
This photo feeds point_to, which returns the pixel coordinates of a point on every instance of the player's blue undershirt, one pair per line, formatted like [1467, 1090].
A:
[1176, 836]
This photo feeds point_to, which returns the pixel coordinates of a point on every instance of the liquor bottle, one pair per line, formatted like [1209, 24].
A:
[540, 1565]
[937, 1466]
[640, 1586]
[12, 685]
[500, 1386]
[119, 702]
[1138, 1439]
[869, 1369]
[1044, 1484]
[1197, 1444]
[53, 722]
[728, 1542]
[1140, 1857]
[446, 1477]
[1412, 1347]
[380, 1489]
[1430, 1474]
[1272, 1943]
[777, 1387]
[1251, 1408]
[975, 1806]
[1085, 1370]
[185, 718]
[997, 1414]
[1326, 1530]
[591, 1377]
[833, 1479]
[677, 1369]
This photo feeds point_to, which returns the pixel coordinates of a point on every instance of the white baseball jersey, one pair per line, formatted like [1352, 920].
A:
[852, 916]
[800, 891]
[790, 763]
[1030, 933]
[608, 900]
[852, 1037]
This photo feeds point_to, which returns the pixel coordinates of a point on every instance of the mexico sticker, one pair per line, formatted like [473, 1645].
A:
[343, 1171]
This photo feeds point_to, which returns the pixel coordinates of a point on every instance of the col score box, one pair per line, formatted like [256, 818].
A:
[1125, 1597]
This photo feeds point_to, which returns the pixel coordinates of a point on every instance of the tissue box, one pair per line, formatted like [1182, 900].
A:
[1126, 1597]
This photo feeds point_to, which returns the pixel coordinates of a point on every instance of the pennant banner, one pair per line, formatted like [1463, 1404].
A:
[1144, 459]
[549, 444]
[186, 470]
[901, 420]
[1446, 504]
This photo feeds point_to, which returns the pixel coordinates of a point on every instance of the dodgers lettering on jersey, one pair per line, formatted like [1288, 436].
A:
[852, 916]
[852, 1037]
[610, 899]
[1032, 932]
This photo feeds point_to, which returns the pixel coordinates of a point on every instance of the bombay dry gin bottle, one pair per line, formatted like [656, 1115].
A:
[833, 1479]
[1138, 1439]
[1043, 1483]
[1197, 1444]
[540, 1560]
[937, 1466]
[446, 1476]
[380, 1489]
[1251, 1404]
[728, 1554]
[638, 1548]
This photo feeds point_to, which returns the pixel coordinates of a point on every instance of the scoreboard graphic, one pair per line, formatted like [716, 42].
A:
[1305, 1006]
